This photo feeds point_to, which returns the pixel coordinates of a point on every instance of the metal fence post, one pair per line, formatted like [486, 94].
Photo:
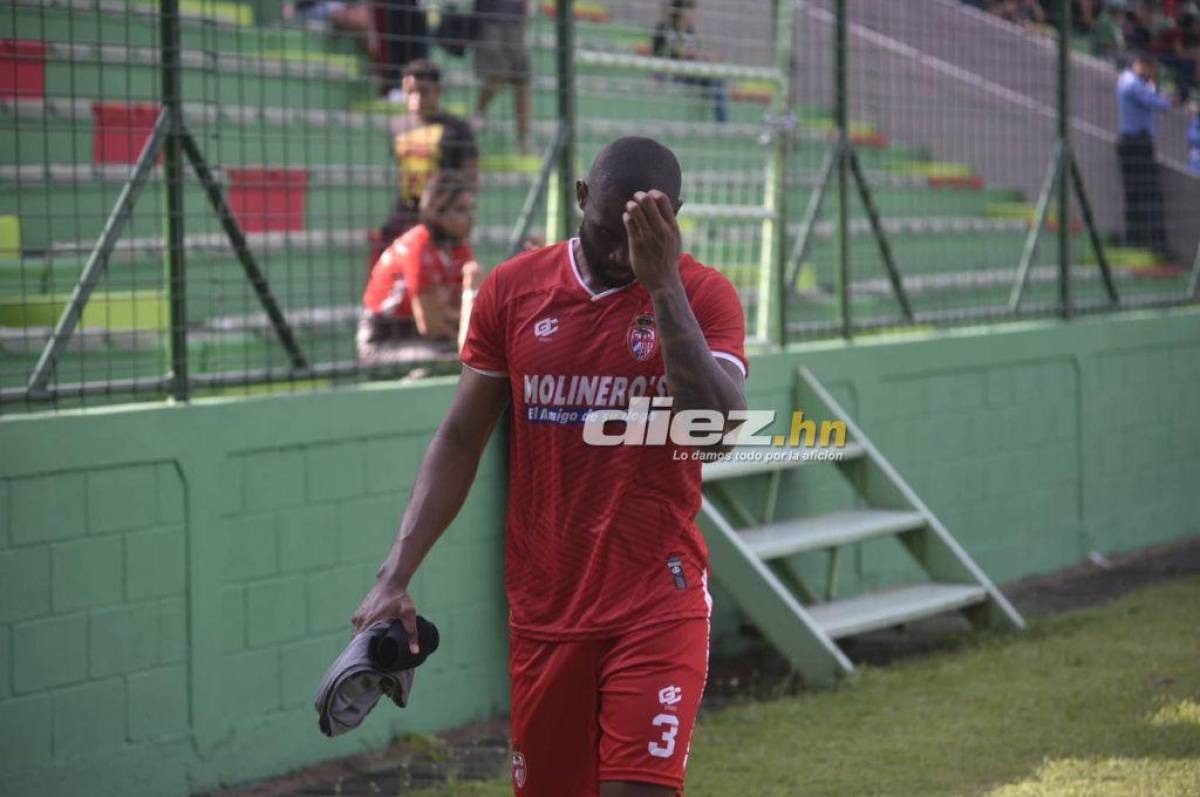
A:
[773, 291]
[843, 141]
[1068, 160]
[173, 182]
[564, 195]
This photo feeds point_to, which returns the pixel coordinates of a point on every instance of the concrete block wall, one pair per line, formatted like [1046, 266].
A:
[92, 602]
[174, 582]
[175, 579]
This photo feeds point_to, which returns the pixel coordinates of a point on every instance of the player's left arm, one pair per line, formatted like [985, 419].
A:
[471, 277]
[695, 378]
[435, 315]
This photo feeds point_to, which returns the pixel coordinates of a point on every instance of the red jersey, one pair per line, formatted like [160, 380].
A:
[410, 267]
[598, 539]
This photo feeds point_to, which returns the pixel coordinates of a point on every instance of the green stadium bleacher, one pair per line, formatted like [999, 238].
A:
[278, 97]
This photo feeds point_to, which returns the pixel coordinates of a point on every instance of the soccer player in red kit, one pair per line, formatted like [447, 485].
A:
[605, 570]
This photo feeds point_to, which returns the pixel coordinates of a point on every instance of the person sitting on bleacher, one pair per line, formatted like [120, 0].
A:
[422, 285]
[352, 17]
[393, 33]
[1178, 49]
[427, 141]
[1020, 12]
[675, 38]
[1108, 37]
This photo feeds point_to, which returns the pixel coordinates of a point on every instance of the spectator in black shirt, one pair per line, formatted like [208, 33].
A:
[675, 38]
[427, 141]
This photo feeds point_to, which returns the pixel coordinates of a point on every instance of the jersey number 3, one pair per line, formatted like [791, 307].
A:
[665, 748]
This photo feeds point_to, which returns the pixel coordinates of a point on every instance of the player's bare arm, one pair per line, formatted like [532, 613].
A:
[471, 277]
[695, 378]
[442, 484]
[435, 315]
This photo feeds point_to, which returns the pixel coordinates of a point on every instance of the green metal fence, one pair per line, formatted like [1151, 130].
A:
[193, 188]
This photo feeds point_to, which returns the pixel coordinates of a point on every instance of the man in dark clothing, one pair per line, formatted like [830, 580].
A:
[1083, 14]
[1178, 48]
[502, 57]
[401, 36]
[427, 141]
[675, 38]
[1139, 27]
[1139, 101]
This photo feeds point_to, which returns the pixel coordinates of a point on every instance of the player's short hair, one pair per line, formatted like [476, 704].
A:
[441, 191]
[636, 163]
[423, 69]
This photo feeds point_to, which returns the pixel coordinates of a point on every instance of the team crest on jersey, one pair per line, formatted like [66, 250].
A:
[643, 340]
[519, 769]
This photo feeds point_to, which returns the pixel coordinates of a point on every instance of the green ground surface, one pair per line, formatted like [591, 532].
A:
[1102, 703]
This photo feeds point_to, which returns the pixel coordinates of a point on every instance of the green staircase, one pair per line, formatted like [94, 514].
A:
[755, 556]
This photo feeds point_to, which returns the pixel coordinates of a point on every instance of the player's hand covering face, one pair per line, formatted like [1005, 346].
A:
[654, 240]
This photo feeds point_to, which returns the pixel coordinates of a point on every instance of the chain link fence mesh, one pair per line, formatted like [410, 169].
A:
[940, 143]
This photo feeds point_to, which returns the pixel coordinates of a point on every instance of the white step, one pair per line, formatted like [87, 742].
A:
[753, 460]
[828, 531]
[890, 607]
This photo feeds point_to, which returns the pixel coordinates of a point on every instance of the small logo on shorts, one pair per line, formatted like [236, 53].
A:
[519, 769]
[675, 565]
[670, 695]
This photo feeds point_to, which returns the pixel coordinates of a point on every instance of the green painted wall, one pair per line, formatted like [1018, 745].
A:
[173, 580]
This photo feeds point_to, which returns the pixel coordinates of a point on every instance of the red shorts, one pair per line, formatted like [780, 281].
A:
[606, 709]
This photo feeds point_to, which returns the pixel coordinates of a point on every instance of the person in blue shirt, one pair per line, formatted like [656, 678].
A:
[1193, 137]
[1139, 104]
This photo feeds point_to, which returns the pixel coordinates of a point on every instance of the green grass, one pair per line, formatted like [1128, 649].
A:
[1103, 703]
